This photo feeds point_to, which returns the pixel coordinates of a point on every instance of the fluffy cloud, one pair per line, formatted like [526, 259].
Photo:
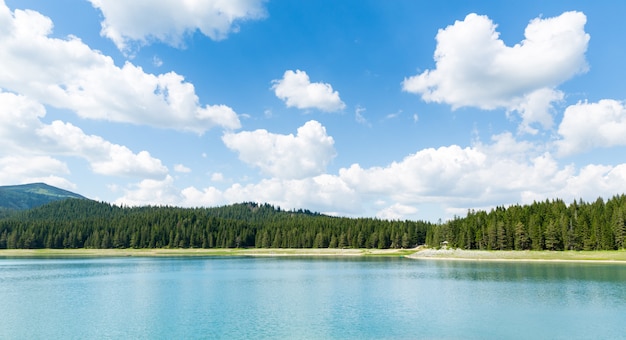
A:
[296, 90]
[181, 168]
[285, 156]
[105, 157]
[140, 21]
[451, 176]
[360, 118]
[69, 74]
[24, 132]
[593, 181]
[481, 176]
[31, 169]
[427, 173]
[21, 160]
[217, 177]
[591, 125]
[589, 183]
[536, 107]
[475, 68]
[193, 197]
[152, 191]
[19, 116]
[397, 211]
[429, 184]
[323, 193]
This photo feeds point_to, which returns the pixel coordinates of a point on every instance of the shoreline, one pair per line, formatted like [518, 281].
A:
[590, 256]
[195, 252]
[419, 253]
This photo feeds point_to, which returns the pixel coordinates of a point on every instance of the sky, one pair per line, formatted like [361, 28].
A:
[401, 109]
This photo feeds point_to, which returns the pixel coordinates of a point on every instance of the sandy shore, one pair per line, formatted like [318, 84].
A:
[199, 252]
[505, 255]
[416, 253]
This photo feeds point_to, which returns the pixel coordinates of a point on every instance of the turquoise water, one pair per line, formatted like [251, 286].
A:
[308, 298]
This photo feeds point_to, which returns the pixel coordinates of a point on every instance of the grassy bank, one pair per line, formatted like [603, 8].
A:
[617, 256]
[199, 252]
[418, 253]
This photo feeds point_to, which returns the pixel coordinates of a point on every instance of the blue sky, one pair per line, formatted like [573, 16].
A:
[390, 109]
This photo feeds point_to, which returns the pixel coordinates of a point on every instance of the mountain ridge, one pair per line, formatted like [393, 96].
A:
[31, 195]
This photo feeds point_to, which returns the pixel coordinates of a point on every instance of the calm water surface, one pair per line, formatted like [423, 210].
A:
[308, 298]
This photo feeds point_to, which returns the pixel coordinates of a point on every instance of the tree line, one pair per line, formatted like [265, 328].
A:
[548, 225]
[80, 223]
[76, 223]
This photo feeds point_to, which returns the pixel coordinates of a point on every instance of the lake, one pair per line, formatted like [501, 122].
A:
[309, 298]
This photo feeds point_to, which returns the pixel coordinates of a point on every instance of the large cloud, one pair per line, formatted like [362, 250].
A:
[593, 181]
[69, 74]
[592, 125]
[474, 68]
[427, 173]
[20, 161]
[25, 134]
[31, 169]
[105, 157]
[285, 156]
[453, 176]
[325, 193]
[19, 117]
[296, 90]
[152, 192]
[139, 21]
[481, 176]
[429, 184]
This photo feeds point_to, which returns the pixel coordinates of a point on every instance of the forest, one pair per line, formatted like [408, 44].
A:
[548, 225]
[82, 223]
[79, 223]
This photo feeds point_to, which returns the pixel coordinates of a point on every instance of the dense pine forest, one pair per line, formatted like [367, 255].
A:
[549, 225]
[81, 223]
[76, 223]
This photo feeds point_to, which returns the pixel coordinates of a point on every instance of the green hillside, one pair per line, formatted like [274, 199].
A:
[28, 196]
[74, 223]
[82, 223]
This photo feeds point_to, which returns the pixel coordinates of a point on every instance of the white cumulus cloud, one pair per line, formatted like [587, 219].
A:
[66, 73]
[397, 211]
[24, 133]
[134, 23]
[427, 173]
[181, 168]
[474, 67]
[19, 116]
[210, 196]
[296, 90]
[217, 177]
[152, 192]
[32, 169]
[323, 193]
[430, 184]
[285, 156]
[457, 178]
[104, 157]
[591, 125]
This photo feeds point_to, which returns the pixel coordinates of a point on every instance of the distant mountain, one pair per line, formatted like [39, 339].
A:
[27, 196]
